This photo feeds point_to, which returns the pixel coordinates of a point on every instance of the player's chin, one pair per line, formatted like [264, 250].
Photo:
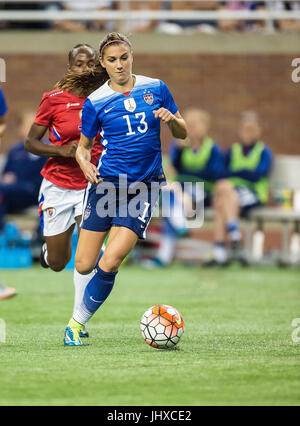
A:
[122, 77]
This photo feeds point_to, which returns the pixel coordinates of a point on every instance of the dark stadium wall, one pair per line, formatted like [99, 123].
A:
[224, 85]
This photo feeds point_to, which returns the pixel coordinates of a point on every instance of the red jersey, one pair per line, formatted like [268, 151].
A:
[60, 111]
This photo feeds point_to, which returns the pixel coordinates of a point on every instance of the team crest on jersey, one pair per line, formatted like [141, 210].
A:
[130, 104]
[148, 98]
[51, 212]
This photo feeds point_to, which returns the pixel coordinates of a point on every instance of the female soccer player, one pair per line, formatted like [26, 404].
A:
[62, 190]
[127, 110]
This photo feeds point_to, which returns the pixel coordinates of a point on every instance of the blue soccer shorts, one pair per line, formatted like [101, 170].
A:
[107, 205]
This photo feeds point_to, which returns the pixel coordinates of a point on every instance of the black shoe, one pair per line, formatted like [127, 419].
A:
[84, 333]
[240, 257]
[42, 256]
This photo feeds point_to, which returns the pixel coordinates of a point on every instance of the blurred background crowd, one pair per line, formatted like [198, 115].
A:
[159, 25]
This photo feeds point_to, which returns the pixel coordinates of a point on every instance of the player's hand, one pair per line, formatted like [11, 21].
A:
[164, 115]
[90, 172]
[68, 150]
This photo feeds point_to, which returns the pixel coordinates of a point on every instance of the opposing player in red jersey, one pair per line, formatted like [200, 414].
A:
[63, 186]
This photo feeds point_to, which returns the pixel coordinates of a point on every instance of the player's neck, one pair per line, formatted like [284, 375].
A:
[123, 88]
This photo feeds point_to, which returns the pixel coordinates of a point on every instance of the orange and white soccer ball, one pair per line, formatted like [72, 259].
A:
[162, 326]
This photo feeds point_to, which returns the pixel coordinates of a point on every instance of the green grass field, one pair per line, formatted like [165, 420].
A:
[236, 350]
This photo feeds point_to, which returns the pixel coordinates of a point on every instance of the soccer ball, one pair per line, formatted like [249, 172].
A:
[162, 326]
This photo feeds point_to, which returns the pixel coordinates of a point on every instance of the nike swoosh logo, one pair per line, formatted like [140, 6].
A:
[96, 301]
[107, 110]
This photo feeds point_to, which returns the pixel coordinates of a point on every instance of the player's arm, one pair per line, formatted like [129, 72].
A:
[35, 145]
[175, 122]
[83, 158]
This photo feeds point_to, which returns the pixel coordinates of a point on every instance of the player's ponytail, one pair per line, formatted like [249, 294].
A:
[83, 84]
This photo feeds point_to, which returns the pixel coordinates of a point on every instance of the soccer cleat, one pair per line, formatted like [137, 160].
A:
[84, 333]
[7, 292]
[152, 263]
[43, 262]
[72, 333]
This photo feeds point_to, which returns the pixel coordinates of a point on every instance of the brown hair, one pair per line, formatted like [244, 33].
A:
[113, 37]
[83, 84]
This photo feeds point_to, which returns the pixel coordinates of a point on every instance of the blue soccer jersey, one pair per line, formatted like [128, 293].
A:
[130, 132]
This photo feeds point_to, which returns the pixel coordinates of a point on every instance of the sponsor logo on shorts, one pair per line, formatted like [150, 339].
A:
[51, 212]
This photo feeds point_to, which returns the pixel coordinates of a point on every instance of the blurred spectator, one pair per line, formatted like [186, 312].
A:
[244, 186]
[141, 25]
[291, 25]
[30, 6]
[86, 6]
[191, 26]
[237, 24]
[20, 180]
[199, 159]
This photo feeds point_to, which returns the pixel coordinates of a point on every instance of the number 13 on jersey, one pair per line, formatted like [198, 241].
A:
[142, 127]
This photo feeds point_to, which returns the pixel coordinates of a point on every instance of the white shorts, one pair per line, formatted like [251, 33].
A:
[58, 208]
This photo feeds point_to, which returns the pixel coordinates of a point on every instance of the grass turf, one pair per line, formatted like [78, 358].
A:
[236, 349]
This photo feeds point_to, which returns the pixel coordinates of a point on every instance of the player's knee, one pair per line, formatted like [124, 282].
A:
[224, 190]
[57, 265]
[83, 266]
[58, 261]
[111, 263]
[223, 187]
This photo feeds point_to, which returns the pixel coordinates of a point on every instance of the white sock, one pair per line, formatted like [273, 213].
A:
[220, 253]
[235, 235]
[80, 283]
[82, 315]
